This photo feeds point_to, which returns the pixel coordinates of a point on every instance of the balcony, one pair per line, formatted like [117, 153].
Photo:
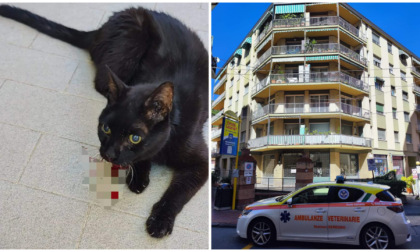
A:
[313, 49]
[418, 107]
[216, 119]
[219, 84]
[416, 70]
[218, 100]
[324, 107]
[308, 141]
[416, 89]
[310, 78]
[215, 133]
[314, 21]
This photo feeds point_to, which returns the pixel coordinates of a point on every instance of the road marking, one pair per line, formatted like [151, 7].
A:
[248, 246]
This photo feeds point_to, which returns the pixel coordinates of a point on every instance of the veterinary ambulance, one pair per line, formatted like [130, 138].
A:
[332, 212]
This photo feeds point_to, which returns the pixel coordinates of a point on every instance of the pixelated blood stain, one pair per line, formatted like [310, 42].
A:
[114, 195]
[115, 168]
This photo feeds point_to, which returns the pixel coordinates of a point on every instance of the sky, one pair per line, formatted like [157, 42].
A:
[231, 22]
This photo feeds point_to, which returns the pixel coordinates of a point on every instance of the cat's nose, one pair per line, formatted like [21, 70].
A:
[110, 156]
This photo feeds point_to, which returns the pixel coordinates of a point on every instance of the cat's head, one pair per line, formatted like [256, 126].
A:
[135, 124]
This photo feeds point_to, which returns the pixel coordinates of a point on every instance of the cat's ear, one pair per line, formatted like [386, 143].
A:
[159, 103]
[115, 86]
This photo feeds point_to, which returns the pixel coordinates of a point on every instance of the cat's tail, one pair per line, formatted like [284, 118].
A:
[74, 37]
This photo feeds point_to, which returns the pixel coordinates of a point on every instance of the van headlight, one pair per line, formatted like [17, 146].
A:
[246, 212]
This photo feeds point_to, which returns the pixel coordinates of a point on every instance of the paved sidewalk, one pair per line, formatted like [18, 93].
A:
[48, 111]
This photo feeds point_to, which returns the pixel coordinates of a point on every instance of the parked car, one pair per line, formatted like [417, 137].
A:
[342, 212]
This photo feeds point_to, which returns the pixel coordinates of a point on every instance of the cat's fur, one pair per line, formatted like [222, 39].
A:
[154, 72]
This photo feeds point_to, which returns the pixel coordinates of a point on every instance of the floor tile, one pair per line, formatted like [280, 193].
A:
[34, 67]
[52, 112]
[16, 33]
[55, 167]
[16, 148]
[39, 220]
[111, 230]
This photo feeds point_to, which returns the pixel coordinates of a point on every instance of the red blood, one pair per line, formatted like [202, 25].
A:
[114, 195]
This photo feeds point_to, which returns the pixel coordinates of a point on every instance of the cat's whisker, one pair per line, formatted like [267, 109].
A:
[130, 170]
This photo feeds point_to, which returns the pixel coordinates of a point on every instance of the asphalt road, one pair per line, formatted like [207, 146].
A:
[226, 238]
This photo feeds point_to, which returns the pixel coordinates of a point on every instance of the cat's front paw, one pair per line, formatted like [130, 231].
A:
[159, 226]
[137, 184]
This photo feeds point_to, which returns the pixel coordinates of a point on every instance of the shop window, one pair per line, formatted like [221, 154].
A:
[321, 162]
[381, 165]
[349, 165]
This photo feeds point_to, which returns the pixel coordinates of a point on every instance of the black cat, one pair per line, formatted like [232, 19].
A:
[154, 72]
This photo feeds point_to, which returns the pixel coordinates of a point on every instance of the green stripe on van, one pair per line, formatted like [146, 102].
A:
[367, 196]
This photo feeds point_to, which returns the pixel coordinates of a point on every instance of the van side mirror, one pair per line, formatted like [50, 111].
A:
[289, 202]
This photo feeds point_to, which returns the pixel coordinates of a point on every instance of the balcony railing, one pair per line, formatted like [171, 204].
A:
[287, 140]
[217, 116]
[317, 48]
[326, 106]
[219, 84]
[416, 88]
[416, 70]
[216, 133]
[314, 21]
[221, 97]
[321, 77]
[264, 32]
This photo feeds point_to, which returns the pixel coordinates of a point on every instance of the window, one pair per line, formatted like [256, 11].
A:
[385, 196]
[232, 63]
[319, 128]
[408, 138]
[271, 129]
[379, 84]
[394, 113]
[291, 129]
[381, 134]
[231, 81]
[243, 134]
[237, 96]
[259, 132]
[393, 91]
[375, 38]
[379, 109]
[405, 95]
[349, 165]
[397, 140]
[403, 77]
[312, 195]
[406, 117]
[345, 194]
[321, 164]
[391, 69]
[230, 101]
[390, 48]
[246, 52]
[376, 61]
[246, 89]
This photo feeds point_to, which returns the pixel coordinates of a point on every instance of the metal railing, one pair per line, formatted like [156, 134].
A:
[217, 116]
[416, 88]
[287, 140]
[218, 99]
[219, 84]
[416, 70]
[292, 22]
[316, 48]
[275, 184]
[326, 106]
[264, 32]
[321, 77]
[216, 133]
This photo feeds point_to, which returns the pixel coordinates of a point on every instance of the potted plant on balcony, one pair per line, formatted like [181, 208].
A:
[309, 45]
[409, 181]
[281, 79]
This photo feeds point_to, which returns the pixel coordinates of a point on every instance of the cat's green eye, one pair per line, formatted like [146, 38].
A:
[106, 129]
[135, 139]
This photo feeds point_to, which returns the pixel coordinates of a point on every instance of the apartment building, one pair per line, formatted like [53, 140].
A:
[320, 80]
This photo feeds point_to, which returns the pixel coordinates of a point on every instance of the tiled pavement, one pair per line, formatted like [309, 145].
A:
[48, 110]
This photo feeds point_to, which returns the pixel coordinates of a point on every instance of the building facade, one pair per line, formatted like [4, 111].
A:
[322, 81]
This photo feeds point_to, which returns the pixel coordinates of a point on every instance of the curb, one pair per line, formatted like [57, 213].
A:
[221, 224]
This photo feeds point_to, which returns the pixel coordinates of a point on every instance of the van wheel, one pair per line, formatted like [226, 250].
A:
[261, 232]
[376, 236]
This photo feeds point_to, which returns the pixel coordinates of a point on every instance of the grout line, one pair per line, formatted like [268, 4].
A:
[71, 77]
[36, 36]
[60, 92]
[84, 225]
[30, 157]
[49, 133]
[2, 83]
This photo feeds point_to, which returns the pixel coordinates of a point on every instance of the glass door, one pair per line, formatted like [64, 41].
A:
[294, 104]
[319, 103]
